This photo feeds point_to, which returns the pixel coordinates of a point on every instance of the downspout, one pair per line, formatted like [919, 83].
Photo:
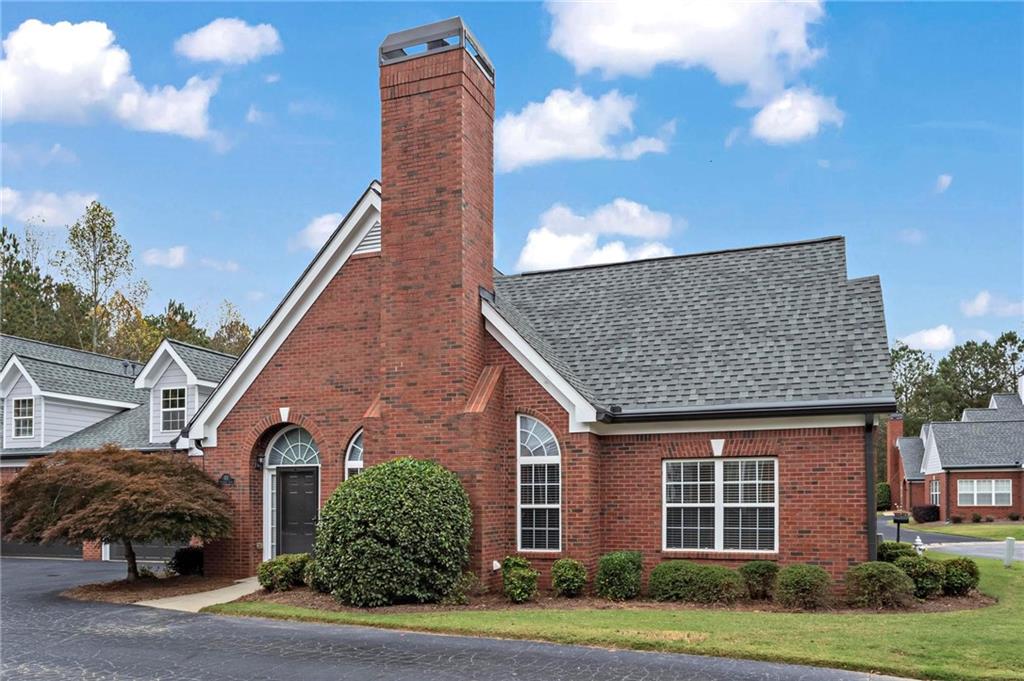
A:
[947, 476]
[869, 476]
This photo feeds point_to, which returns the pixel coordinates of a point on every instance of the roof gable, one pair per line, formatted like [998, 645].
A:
[201, 366]
[349, 236]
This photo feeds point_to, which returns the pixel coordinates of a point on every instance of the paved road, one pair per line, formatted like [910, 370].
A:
[888, 529]
[46, 637]
[964, 546]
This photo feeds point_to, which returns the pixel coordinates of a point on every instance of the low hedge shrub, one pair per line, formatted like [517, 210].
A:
[961, 576]
[283, 572]
[396, 533]
[889, 551]
[1013, 516]
[568, 577]
[468, 585]
[878, 585]
[928, 575]
[519, 584]
[618, 575]
[681, 580]
[975, 517]
[927, 513]
[803, 587]
[759, 577]
[956, 519]
[314, 578]
[188, 560]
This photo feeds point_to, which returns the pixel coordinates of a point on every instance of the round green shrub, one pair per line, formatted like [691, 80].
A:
[519, 584]
[803, 587]
[928, 575]
[759, 577]
[878, 585]
[513, 562]
[313, 577]
[681, 580]
[568, 577]
[618, 575]
[961, 576]
[396, 533]
[889, 551]
[283, 572]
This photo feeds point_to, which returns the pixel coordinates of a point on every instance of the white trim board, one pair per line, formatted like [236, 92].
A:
[327, 263]
[157, 365]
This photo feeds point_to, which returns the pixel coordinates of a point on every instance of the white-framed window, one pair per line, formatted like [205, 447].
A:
[24, 416]
[935, 492]
[539, 483]
[720, 505]
[984, 492]
[172, 409]
[354, 456]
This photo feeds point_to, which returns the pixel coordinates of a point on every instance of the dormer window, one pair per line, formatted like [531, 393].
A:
[172, 409]
[24, 417]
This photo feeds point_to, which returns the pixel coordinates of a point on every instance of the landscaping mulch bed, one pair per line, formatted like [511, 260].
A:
[303, 597]
[145, 588]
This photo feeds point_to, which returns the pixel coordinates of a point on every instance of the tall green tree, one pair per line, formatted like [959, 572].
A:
[233, 333]
[96, 260]
[972, 372]
[178, 322]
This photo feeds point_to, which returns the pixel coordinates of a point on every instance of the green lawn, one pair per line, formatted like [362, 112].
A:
[980, 530]
[970, 644]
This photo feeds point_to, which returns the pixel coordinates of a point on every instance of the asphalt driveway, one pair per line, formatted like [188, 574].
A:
[46, 637]
[963, 546]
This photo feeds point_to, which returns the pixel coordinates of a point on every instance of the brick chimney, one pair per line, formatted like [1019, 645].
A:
[437, 172]
[893, 432]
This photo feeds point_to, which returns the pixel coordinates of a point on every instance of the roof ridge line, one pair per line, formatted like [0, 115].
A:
[200, 347]
[739, 249]
[73, 366]
[67, 347]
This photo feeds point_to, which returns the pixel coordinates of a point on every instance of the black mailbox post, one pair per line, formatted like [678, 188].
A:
[900, 519]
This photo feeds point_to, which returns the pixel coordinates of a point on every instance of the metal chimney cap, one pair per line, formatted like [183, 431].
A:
[441, 36]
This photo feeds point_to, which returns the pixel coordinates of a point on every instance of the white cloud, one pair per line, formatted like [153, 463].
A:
[913, 237]
[230, 41]
[70, 72]
[757, 44]
[219, 265]
[734, 136]
[254, 115]
[796, 114]
[942, 183]
[44, 208]
[567, 239]
[314, 234]
[172, 258]
[271, 78]
[985, 304]
[573, 125]
[940, 337]
[30, 153]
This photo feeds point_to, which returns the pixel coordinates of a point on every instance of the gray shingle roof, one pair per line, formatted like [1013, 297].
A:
[993, 415]
[72, 380]
[773, 324]
[11, 345]
[128, 429]
[206, 364]
[912, 453]
[1008, 401]
[966, 444]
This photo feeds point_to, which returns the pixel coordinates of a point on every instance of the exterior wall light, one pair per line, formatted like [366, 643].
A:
[226, 481]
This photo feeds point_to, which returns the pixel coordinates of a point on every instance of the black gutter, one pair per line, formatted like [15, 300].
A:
[869, 477]
[726, 411]
[991, 466]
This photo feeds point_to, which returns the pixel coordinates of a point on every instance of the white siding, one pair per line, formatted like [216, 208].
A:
[22, 389]
[370, 242]
[173, 377]
[65, 418]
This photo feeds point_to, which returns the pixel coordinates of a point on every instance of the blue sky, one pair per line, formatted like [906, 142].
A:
[896, 125]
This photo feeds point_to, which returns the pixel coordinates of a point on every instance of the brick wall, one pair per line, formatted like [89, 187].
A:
[894, 462]
[948, 506]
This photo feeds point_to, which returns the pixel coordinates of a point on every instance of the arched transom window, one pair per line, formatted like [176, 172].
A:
[539, 478]
[293, 447]
[354, 456]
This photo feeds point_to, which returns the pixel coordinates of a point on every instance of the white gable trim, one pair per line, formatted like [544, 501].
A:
[327, 263]
[10, 375]
[581, 412]
[158, 363]
[931, 463]
[90, 400]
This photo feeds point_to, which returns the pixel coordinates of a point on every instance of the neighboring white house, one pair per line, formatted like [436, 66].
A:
[56, 399]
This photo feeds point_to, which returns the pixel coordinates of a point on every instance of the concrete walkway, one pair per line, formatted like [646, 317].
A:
[980, 549]
[198, 601]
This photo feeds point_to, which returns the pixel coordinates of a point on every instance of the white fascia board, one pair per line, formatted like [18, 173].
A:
[582, 414]
[720, 425]
[9, 376]
[157, 365]
[327, 263]
[90, 400]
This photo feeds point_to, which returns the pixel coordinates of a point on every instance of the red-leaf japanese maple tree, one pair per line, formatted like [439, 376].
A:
[114, 495]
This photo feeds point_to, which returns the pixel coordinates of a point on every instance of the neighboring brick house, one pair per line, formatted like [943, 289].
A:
[716, 406]
[974, 465]
[57, 399]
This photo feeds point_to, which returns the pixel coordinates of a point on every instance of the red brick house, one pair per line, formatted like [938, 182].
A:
[974, 465]
[716, 406]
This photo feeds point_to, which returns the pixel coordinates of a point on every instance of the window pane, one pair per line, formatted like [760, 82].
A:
[965, 499]
[1002, 498]
[749, 529]
[1003, 485]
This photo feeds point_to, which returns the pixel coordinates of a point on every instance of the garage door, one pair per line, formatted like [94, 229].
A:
[156, 551]
[53, 550]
